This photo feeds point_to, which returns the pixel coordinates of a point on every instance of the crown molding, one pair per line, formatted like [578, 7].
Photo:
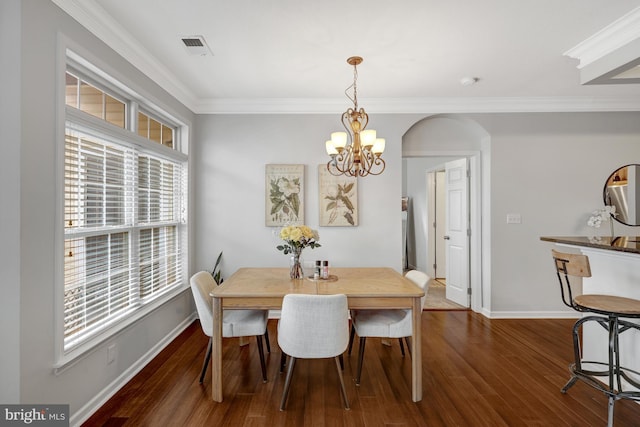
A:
[609, 39]
[420, 105]
[97, 21]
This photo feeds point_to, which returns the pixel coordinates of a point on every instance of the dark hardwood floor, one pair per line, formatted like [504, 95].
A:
[476, 372]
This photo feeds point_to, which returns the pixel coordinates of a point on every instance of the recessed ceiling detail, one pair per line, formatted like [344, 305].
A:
[611, 55]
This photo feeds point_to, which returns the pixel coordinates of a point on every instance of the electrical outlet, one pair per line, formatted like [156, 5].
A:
[111, 354]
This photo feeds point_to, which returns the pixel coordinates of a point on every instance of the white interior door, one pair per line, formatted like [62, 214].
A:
[440, 227]
[457, 226]
[431, 241]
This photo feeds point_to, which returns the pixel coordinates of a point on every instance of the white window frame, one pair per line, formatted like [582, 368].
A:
[82, 121]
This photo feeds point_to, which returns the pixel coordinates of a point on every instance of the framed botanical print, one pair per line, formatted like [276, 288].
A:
[338, 199]
[284, 195]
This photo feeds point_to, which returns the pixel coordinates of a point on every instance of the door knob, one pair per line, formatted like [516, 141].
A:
[446, 237]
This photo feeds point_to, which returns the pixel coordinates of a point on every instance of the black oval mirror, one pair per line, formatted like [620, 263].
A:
[621, 191]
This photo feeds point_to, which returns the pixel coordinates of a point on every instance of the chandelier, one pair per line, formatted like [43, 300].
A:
[361, 157]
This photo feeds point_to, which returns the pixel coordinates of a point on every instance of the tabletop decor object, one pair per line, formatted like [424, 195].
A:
[602, 215]
[296, 238]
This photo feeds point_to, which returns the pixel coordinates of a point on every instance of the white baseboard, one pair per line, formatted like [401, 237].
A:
[532, 315]
[100, 399]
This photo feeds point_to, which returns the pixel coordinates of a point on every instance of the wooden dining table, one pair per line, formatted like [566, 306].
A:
[365, 288]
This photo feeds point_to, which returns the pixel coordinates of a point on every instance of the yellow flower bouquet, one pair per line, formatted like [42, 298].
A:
[296, 238]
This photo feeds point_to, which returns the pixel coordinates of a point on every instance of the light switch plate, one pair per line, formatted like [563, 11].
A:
[514, 218]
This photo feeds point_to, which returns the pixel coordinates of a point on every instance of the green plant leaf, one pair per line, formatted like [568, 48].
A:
[216, 273]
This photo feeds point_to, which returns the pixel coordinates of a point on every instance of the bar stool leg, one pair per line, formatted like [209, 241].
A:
[569, 383]
[612, 401]
[612, 339]
[616, 349]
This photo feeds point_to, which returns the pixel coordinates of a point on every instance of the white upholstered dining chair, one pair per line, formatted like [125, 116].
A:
[387, 323]
[235, 323]
[313, 327]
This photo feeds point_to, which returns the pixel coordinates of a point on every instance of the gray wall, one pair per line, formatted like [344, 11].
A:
[231, 153]
[87, 382]
[10, 206]
[551, 169]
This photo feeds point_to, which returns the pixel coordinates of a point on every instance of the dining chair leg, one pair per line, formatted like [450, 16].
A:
[408, 341]
[363, 340]
[351, 336]
[342, 387]
[283, 361]
[262, 364]
[287, 383]
[207, 357]
[401, 346]
[266, 338]
[341, 362]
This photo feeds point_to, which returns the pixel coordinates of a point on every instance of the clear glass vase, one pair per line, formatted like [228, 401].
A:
[295, 266]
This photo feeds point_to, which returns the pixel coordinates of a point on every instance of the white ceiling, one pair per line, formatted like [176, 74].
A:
[290, 55]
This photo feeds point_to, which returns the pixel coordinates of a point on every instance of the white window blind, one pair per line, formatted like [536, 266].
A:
[122, 218]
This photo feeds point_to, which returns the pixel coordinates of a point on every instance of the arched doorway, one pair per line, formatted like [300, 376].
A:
[429, 143]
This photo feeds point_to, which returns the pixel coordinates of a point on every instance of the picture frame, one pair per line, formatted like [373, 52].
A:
[338, 199]
[284, 195]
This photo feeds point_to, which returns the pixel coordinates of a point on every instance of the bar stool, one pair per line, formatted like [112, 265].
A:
[609, 312]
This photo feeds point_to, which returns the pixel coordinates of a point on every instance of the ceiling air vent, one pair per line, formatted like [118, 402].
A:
[196, 45]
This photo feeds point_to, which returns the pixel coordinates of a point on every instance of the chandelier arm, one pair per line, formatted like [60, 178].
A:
[345, 161]
[365, 119]
[331, 170]
[341, 159]
[378, 161]
[366, 160]
[370, 163]
[346, 123]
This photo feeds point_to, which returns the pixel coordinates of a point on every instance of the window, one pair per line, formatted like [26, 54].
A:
[124, 208]
[154, 130]
[84, 96]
